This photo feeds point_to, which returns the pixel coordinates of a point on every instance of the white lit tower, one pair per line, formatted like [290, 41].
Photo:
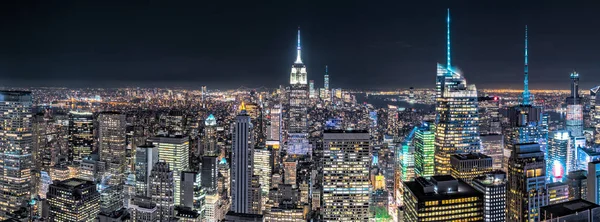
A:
[297, 130]
[574, 123]
[15, 144]
[457, 117]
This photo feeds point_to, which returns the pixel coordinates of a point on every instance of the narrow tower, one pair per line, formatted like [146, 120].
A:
[298, 49]
[526, 96]
[448, 58]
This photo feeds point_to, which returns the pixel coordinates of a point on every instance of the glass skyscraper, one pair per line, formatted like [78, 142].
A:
[425, 150]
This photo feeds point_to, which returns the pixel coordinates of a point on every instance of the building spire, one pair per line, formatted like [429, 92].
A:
[298, 58]
[526, 95]
[448, 58]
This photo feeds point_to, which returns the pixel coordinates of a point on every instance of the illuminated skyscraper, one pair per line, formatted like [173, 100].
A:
[174, 150]
[311, 89]
[274, 129]
[525, 121]
[192, 196]
[468, 166]
[81, 135]
[526, 191]
[493, 187]
[241, 166]
[442, 198]
[73, 200]
[297, 131]
[425, 150]
[574, 120]
[595, 113]
[262, 167]
[557, 158]
[209, 137]
[162, 190]
[112, 145]
[407, 157]
[457, 117]
[15, 150]
[346, 198]
[326, 79]
[145, 158]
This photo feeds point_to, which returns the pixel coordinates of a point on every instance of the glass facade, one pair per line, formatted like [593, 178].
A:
[424, 143]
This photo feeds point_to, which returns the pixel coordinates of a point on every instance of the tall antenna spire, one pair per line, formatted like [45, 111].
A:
[298, 59]
[526, 96]
[448, 59]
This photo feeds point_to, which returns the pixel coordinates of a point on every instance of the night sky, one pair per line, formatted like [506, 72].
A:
[250, 43]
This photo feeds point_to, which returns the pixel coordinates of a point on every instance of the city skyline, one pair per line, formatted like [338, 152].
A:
[389, 45]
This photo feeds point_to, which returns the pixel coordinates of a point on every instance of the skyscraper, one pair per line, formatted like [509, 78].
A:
[73, 200]
[81, 135]
[457, 117]
[493, 187]
[162, 190]
[174, 150]
[209, 137]
[525, 121]
[574, 120]
[311, 89]
[209, 173]
[468, 166]
[557, 158]
[297, 131]
[241, 166]
[346, 153]
[262, 167]
[425, 150]
[112, 145]
[595, 113]
[593, 182]
[526, 191]
[274, 131]
[326, 79]
[15, 150]
[145, 158]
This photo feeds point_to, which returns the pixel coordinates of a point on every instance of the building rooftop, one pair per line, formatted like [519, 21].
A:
[470, 156]
[567, 208]
[426, 190]
[74, 183]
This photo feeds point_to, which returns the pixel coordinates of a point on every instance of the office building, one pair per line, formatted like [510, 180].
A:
[285, 213]
[144, 210]
[346, 153]
[121, 215]
[574, 210]
[577, 182]
[595, 113]
[111, 198]
[262, 167]
[489, 115]
[557, 154]
[73, 200]
[186, 214]
[15, 151]
[574, 118]
[526, 191]
[81, 135]
[297, 130]
[209, 173]
[192, 195]
[311, 89]
[558, 192]
[163, 190]
[493, 146]
[290, 167]
[424, 143]
[145, 158]
[593, 182]
[112, 145]
[457, 116]
[174, 150]
[241, 166]
[526, 122]
[493, 187]
[209, 137]
[441, 198]
[468, 166]
[274, 129]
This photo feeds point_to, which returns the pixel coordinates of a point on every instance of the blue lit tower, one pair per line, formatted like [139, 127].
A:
[457, 117]
[297, 131]
[525, 122]
[326, 85]
[526, 95]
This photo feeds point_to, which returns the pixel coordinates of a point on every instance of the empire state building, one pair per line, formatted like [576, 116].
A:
[297, 132]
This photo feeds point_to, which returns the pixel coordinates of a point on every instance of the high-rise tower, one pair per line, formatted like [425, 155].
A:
[15, 147]
[241, 166]
[112, 145]
[574, 119]
[81, 137]
[526, 191]
[457, 117]
[297, 132]
[526, 95]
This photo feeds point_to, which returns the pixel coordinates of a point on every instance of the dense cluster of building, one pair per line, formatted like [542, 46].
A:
[297, 153]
